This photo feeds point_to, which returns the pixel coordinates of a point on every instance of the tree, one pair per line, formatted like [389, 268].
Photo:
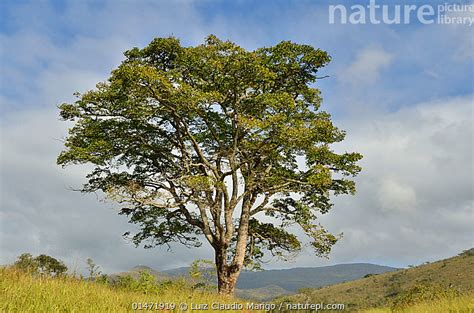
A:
[42, 264]
[48, 265]
[202, 142]
[93, 269]
[27, 263]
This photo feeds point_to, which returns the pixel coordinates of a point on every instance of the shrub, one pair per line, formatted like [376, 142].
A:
[469, 252]
[146, 283]
[393, 291]
[305, 290]
[203, 275]
[124, 282]
[102, 279]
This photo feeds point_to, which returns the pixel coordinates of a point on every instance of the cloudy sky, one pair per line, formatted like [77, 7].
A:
[404, 93]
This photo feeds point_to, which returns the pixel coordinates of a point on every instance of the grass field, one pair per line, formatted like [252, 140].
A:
[20, 292]
[380, 291]
[464, 304]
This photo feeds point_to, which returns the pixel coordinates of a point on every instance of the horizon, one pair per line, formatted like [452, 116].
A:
[296, 267]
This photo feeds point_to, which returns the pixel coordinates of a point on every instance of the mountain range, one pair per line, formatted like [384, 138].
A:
[267, 284]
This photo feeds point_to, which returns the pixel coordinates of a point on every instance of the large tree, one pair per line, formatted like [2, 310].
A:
[214, 142]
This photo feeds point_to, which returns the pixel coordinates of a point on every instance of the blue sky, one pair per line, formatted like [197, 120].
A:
[425, 62]
[404, 93]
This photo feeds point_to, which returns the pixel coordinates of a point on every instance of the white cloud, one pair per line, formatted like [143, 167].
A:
[366, 68]
[415, 192]
[394, 196]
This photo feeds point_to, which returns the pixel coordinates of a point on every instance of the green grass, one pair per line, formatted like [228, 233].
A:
[21, 292]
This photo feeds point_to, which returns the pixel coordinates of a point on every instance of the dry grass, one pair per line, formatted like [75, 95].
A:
[464, 304]
[20, 292]
[381, 290]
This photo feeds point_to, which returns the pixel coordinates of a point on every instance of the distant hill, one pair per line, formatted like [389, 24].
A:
[268, 284]
[301, 277]
[135, 273]
[380, 290]
[262, 294]
[309, 277]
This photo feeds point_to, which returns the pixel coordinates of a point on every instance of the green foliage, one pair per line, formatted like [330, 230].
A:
[146, 283]
[279, 242]
[42, 264]
[50, 266]
[27, 263]
[203, 274]
[125, 282]
[102, 279]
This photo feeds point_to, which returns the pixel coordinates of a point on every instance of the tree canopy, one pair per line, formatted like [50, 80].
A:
[42, 264]
[203, 142]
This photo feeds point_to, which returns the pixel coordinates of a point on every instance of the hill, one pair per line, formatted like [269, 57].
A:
[268, 284]
[292, 279]
[135, 273]
[261, 294]
[380, 290]
[309, 277]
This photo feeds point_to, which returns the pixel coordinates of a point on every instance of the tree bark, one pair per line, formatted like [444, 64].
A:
[226, 275]
[226, 283]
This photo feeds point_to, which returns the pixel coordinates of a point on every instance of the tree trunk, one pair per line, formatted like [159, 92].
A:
[226, 283]
[226, 275]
